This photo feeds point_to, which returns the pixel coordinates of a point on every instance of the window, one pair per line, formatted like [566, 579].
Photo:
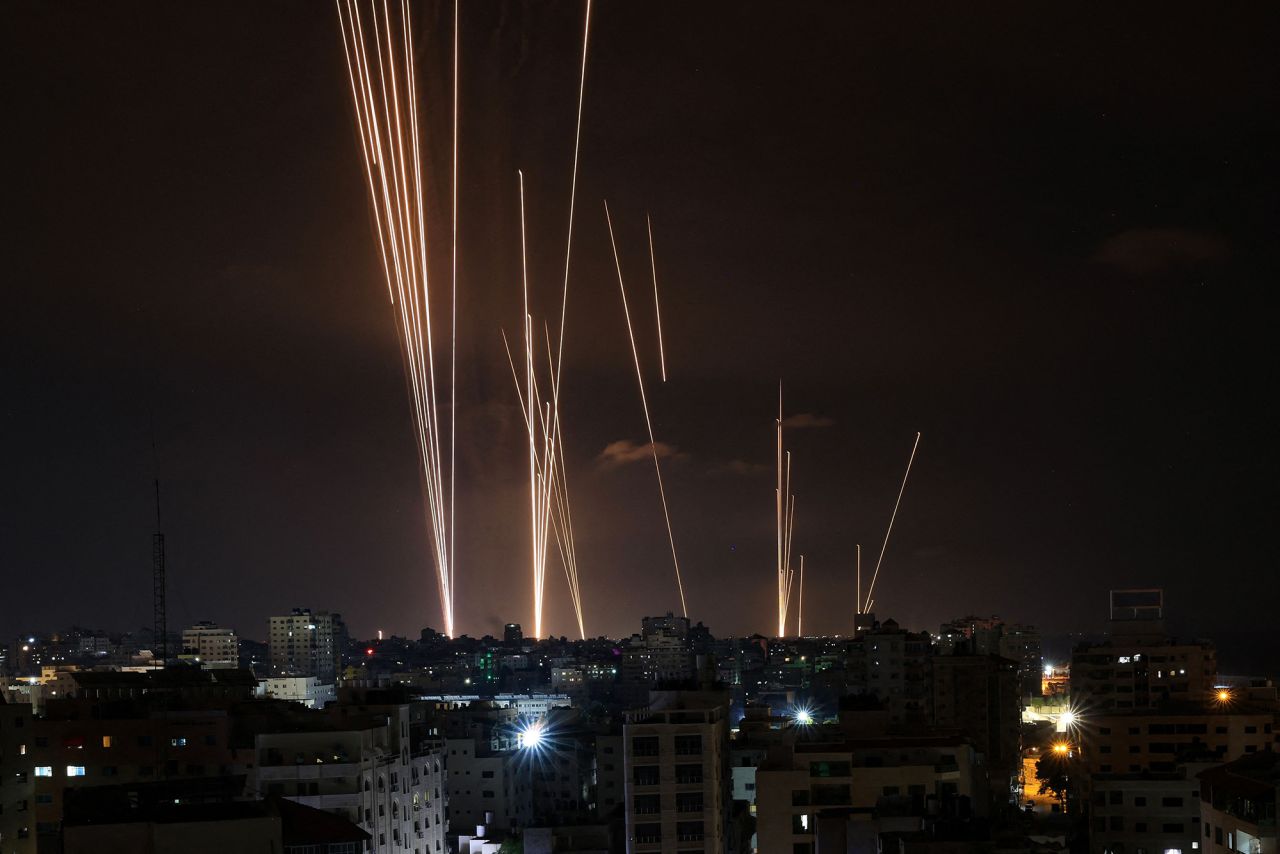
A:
[1140, 800]
[106, 741]
[1171, 802]
[487, 793]
[689, 802]
[1116, 798]
[144, 741]
[1172, 827]
[1116, 822]
[689, 745]
[44, 770]
[1140, 827]
[75, 770]
[688, 773]
[44, 798]
[486, 774]
[648, 804]
[180, 741]
[648, 833]
[644, 745]
[645, 775]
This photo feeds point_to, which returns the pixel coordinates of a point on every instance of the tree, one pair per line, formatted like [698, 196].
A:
[1051, 773]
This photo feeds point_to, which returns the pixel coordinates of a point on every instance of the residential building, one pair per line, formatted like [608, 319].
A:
[977, 695]
[677, 773]
[210, 646]
[1156, 811]
[488, 787]
[892, 664]
[307, 690]
[370, 764]
[611, 776]
[307, 643]
[1139, 666]
[1135, 741]
[17, 779]
[811, 786]
[1240, 805]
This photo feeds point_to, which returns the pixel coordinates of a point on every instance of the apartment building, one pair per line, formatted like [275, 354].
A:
[307, 643]
[1136, 741]
[488, 787]
[210, 646]
[677, 774]
[827, 774]
[17, 779]
[1240, 805]
[369, 764]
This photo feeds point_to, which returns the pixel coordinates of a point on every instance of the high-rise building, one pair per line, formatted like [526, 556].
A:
[892, 664]
[1139, 666]
[210, 646]
[677, 773]
[17, 782]
[993, 636]
[512, 635]
[978, 695]
[307, 643]
[662, 652]
[371, 765]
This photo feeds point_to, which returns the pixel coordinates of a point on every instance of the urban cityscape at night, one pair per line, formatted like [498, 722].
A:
[526, 427]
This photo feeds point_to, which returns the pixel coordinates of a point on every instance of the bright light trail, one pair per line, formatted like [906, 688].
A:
[889, 530]
[644, 401]
[786, 517]
[548, 488]
[384, 93]
[653, 266]
[573, 189]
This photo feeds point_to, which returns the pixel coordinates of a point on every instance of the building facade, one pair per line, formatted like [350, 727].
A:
[307, 643]
[677, 774]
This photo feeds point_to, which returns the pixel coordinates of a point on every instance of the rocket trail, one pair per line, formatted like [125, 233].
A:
[380, 71]
[653, 266]
[644, 401]
[573, 189]
[871, 588]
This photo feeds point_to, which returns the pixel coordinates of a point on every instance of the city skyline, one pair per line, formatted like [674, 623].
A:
[888, 215]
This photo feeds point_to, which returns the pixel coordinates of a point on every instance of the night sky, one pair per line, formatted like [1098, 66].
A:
[1041, 235]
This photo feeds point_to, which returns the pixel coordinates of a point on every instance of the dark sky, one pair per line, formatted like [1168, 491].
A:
[1041, 235]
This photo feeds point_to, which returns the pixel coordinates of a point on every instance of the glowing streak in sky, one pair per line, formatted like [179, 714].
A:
[644, 401]
[384, 94]
[573, 189]
[653, 265]
[548, 487]
[800, 607]
[889, 530]
[786, 517]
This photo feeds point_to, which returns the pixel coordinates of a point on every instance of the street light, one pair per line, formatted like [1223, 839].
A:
[531, 736]
[802, 717]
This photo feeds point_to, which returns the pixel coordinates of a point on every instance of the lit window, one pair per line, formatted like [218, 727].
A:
[44, 770]
[22, 750]
[177, 742]
[106, 741]
[75, 770]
